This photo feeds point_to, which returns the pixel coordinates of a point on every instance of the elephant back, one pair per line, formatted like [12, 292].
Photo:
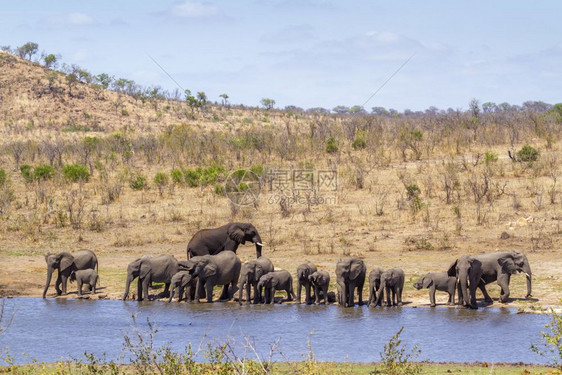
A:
[85, 259]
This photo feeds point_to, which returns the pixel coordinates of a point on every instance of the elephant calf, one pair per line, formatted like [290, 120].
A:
[276, 280]
[320, 280]
[374, 284]
[393, 281]
[437, 281]
[182, 281]
[87, 276]
[303, 272]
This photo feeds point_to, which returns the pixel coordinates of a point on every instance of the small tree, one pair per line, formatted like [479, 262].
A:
[267, 103]
[71, 81]
[551, 341]
[161, 180]
[224, 98]
[395, 361]
[50, 61]
[331, 145]
[27, 50]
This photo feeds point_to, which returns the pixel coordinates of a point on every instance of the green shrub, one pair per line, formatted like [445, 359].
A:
[360, 142]
[138, 183]
[417, 135]
[528, 153]
[177, 176]
[3, 177]
[331, 145]
[192, 177]
[257, 169]
[413, 191]
[26, 173]
[76, 172]
[550, 346]
[161, 180]
[394, 359]
[43, 172]
[490, 157]
[204, 176]
[220, 190]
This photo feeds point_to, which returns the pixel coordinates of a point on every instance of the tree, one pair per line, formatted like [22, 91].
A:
[357, 110]
[474, 108]
[50, 61]
[267, 103]
[71, 80]
[27, 50]
[379, 111]
[224, 98]
[341, 109]
[202, 98]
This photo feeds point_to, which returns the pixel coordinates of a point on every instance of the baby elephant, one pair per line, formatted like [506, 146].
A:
[182, 281]
[276, 280]
[87, 276]
[393, 281]
[437, 281]
[320, 280]
[374, 285]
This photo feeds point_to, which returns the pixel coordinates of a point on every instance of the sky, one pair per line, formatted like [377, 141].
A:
[309, 53]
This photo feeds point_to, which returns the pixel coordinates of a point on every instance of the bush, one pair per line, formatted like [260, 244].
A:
[43, 172]
[528, 153]
[26, 173]
[359, 142]
[161, 180]
[395, 361]
[550, 347]
[177, 176]
[76, 172]
[490, 157]
[3, 177]
[331, 145]
[138, 183]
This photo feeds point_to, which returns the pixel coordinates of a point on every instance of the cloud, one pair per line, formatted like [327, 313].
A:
[70, 19]
[192, 9]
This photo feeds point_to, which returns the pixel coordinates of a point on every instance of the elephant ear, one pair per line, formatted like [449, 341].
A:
[259, 272]
[427, 281]
[209, 270]
[507, 264]
[355, 270]
[236, 234]
[144, 270]
[452, 271]
[66, 260]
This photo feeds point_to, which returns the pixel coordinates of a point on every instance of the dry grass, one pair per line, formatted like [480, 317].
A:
[374, 218]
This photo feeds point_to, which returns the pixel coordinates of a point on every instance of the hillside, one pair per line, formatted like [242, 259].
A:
[413, 192]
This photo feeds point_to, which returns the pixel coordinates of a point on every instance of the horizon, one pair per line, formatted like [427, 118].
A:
[291, 52]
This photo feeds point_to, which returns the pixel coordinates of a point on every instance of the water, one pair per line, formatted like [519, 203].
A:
[54, 329]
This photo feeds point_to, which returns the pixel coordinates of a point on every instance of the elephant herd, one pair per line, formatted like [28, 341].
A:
[212, 261]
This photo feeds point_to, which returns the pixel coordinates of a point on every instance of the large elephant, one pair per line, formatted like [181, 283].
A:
[350, 275]
[227, 237]
[437, 281]
[500, 266]
[303, 272]
[250, 274]
[392, 281]
[65, 263]
[374, 284]
[468, 271]
[159, 269]
[210, 270]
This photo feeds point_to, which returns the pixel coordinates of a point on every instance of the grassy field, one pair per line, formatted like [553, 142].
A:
[411, 192]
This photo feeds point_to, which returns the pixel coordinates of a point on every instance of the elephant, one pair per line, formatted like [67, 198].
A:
[149, 269]
[350, 274]
[87, 276]
[500, 266]
[219, 269]
[276, 280]
[392, 281]
[437, 281]
[467, 270]
[182, 281]
[65, 263]
[303, 272]
[227, 237]
[374, 284]
[250, 275]
[320, 280]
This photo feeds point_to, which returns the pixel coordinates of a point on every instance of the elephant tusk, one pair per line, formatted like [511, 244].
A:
[259, 243]
[526, 274]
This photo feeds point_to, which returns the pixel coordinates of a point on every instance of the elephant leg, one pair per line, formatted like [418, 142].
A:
[482, 287]
[460, 301]
[316, 294]
[166, 291]
[145, 283]
[209, 291]
[139, 289]
[224, 295]
[307, 293]
[432, 295]
[370, 296]
[58, 283]
[473, 304]
[503, 282]
[299, 291]
[399, 296]
[79, 285]
[272, 295]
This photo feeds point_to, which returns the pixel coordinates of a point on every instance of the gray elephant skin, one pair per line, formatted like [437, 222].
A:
[500, 266]
[392, 282]
[350, 275]
[374, 284]
[183, 282]
[468, 271]
[437, 281]
[320, 280]
[210, 270]
[87, 276]
[159, 269]
[65, 263]
[276, 280]
[303, 272]
[250, 275]
[227, 237]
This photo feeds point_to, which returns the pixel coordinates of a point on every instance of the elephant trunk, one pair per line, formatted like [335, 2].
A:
[240, 291]
[129, 281]
[463, 282]
[172, 291]
[48, 282]
[528, 274]
[259, 245]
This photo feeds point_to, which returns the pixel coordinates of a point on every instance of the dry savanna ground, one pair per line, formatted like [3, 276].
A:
[412, 192]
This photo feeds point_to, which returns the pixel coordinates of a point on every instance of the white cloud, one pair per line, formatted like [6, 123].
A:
[192, 9]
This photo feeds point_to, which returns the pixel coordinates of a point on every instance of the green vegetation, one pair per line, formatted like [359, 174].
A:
[550, 346]
[528, 153]
[161, 180]
[267, 103]
[360, 141]
[76, 173]
[3, 177]
[331, 145]
[138, 183]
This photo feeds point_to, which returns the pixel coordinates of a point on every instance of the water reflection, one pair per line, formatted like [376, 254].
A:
[354, 334]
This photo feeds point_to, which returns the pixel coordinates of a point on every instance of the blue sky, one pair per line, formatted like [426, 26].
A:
[309, 53]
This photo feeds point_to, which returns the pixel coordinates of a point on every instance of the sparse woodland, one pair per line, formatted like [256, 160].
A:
[86, 167]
